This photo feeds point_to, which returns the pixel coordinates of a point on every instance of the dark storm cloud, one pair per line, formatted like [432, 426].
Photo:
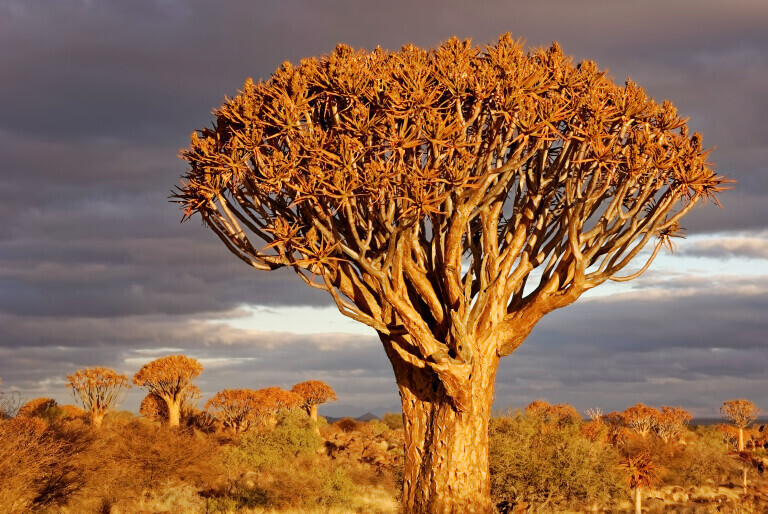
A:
[97, 97]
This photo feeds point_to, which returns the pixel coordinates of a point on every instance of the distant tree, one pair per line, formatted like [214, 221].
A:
[37, 408]
[640, 472]
[560, 413]
[169, 377]
[641, 418]
[9, 403]
[154, 407]
[236, 409]
[671, 423]
[98, 390]
[741, 413]
[449, 199]
[314, 393]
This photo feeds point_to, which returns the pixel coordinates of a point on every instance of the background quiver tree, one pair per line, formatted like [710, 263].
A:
[421, 189]
[99, 390]
[155, 408]
[235, 409]
[314, 393]
[273, 400]
[741, 413]
[169, 377]
[671, 424]
[641, 418]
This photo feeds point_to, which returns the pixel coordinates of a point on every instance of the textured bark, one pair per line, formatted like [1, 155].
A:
[446, 451]
[312, 411]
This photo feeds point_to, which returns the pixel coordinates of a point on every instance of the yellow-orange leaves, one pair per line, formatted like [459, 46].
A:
[98, 390]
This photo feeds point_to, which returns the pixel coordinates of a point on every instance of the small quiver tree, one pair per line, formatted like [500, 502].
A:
[169, 377]
[741, 413]
[641, 418]
[640, 472]
[235, 409]
[154, 407]
[314, 393]
[98, 390]
[449, 199]
[273, 400]
[671, 424]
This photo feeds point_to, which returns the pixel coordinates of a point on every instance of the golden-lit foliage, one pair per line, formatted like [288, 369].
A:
[72, 412]
[236, 409]
[36, 408]
[671, 423]
[377, 175]
[276, 399]
[314, 393]
[168, 377]
[557, 413]
[99, 390]
[641, 418]
[741, 413]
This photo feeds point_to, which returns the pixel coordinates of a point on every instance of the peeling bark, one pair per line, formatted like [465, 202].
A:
[446, 451]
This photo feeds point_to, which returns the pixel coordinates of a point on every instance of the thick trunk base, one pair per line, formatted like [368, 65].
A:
[446, 452]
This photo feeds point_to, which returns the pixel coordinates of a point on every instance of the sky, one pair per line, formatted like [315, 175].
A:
[98, 97]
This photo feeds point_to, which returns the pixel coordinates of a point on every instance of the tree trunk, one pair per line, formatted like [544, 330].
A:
[313, 412]
[174, 413]
[446, 452]
[96, 419]
[741, 439]
[639, 500]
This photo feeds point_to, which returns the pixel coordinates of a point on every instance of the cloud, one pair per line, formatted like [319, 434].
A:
[97, 98]
[751, 246]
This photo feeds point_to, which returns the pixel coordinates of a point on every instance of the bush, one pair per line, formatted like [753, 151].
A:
[393, 421]
[42, 465]
[703, 461]
[548, 464]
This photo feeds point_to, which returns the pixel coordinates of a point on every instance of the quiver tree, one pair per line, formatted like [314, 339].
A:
[641, 418]
[447, 198]
[314, 393]
[273, 400]
[741, 413]
[671, 423]
[154, 407]
[235, 409]
[169, 377]
[98, 390]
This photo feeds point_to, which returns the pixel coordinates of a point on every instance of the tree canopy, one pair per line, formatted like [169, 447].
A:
[98, 390]
[423, 188]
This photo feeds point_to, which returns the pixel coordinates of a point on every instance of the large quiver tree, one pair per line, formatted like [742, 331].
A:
[169, 378]
[423, 188]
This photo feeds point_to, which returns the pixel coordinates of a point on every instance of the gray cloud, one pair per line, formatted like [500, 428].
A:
[97, 97]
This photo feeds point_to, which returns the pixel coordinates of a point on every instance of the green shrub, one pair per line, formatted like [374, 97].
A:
[703, 461]
[548, 464]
